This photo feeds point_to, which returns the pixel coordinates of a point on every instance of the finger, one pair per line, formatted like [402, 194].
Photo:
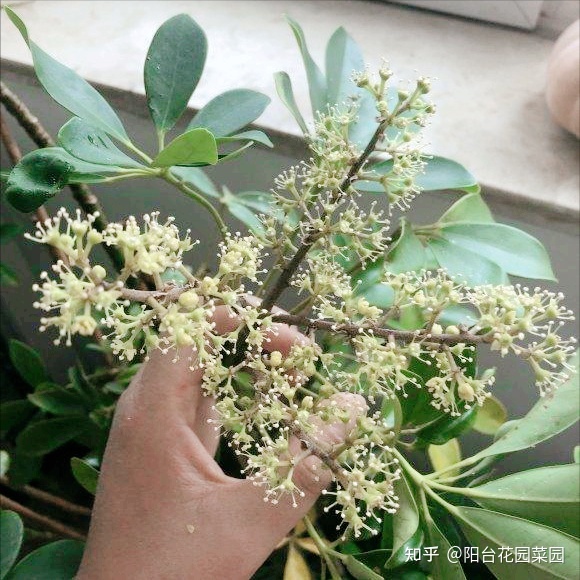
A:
[263, 524]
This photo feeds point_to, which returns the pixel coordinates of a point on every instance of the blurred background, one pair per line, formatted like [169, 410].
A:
[490, 61]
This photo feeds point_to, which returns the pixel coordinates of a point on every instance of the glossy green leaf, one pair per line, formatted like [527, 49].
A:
[41, 174]
[11, 534]
[442, 567]
[85, 474]
[440, 174]
[485, 528]
[197, 178]
[405, 520]
[14, 413]
[468, 208]
[515, 251]
[446, 428]
[547, 495]
[58, 401]
[91, 144]
[70, 90]
[548, 417]
[254, 136]
[173, 67]
[196, 146]
[55, 561]
[407, 253]
[8, 276]
[469, 267]
[286, 94]
[44, 436]
[231, 111]
[359, 570]
[316, 80]
[28, 363]
[491, 416]
[445, 455]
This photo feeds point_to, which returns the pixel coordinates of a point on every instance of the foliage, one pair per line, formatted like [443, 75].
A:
[399, 314]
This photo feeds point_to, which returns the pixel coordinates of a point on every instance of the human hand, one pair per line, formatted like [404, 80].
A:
[164, 509]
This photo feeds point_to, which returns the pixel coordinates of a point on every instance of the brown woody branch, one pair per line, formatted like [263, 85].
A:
[45, 521]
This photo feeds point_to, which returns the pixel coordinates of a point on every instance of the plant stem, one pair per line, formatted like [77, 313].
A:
[322, 548]
[167, 176]
[86, 199]
[51, 499]
[54, 525]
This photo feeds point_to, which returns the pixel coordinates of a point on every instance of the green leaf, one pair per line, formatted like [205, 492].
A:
[230, 111]
[392, 414]
[286, 94]
[407, 253]
[513, 250]
[9, 231]
[47, 435]
[359, 570]
[70, 90]
[343, 58]
[445, 428]
[491, 416]
[466, 266]
[468, 208]
[11, 534]
[91, 144]
[440, 174]
[55, 561]
[8, 276]
[85, 474]
[445, 455]
[260, 201]
[246, 216]
[196, 177]
[41, 174]
[14, 413]
[254, 136]
[58, 401]
[196, 146]
[316, 80]
[442, 567]
[173, 67]
[405, 520]
[547, 495]
[491, 529]
[28, 363]
[548, 417]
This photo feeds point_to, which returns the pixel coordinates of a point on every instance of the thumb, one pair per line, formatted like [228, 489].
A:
[267, 524]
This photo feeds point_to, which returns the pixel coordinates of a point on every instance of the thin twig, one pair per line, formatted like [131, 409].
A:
[86, 199]
[54, 525]
[51, 499]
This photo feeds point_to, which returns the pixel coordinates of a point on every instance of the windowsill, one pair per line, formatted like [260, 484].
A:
[489, 89]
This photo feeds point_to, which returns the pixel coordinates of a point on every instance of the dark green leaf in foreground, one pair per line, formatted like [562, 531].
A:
[28, 363]
[11, 533]
[173, 67]
[85, 474]
[230, 111]
[45, 436]
[56, 561]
